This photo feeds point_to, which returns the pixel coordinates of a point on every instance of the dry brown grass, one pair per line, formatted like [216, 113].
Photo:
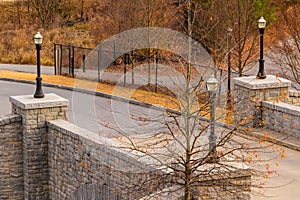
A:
[140, 95]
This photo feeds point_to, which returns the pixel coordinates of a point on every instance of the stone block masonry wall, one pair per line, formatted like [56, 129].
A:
[35, 113]
[11, 158]
[82, 162]
[282, 117]
[234, 185]
[249, 92]
[294, 97]
[42, 156]
[79, 158]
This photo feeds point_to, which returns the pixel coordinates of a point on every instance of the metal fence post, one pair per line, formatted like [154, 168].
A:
[220, 87]
[60, 59]
[132, 68]
[124, 61]
[55, 57]
[149, 70]
[115, 63]
[83, 63]
[156, 72]
[73, 62]
[70, 60]
[99, 64]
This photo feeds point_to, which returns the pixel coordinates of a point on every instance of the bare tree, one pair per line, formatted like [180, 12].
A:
[180, 157]
[46, 10]
[210, 21]
[287, 50]
[243, 21]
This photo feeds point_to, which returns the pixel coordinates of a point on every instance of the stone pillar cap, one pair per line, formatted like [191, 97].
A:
[251, 82]
[29, 102]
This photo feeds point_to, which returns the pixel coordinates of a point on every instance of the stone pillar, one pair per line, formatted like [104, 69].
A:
[249, 93]
[35, 113]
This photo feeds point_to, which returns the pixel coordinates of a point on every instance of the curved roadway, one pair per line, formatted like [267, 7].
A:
[87, 111]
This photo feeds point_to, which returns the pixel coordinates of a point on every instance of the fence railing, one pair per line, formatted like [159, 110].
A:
[158, 68]
[68, 57]
[72, 61]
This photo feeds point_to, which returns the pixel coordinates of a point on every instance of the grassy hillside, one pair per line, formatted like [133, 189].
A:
[87, 22]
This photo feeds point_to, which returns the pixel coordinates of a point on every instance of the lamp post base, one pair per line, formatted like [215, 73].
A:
[261, 72]
[260, 76]
[39, 92]
[38, 96]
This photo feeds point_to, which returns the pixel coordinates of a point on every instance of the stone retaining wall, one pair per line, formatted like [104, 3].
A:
[78, 157]
[235, 185]
[35, 113]
[267, 102]
[294, 97]
[82, 159]
[11, 158]
[282, 117]
[249, 92]
[45, 157]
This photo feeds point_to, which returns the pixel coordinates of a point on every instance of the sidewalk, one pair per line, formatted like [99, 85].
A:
[284, 140]
[49, 70]
[263, 134]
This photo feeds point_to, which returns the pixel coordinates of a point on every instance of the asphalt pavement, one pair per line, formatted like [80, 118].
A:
[77, 95]
[89, 110]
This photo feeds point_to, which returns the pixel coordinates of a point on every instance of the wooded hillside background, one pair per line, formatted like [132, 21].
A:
[86, 23]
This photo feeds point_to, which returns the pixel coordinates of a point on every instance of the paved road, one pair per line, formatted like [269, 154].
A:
[87, 110]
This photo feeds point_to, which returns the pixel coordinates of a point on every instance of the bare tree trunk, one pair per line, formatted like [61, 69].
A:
[188, 171]
[81, 9]
[188, 176]
[19, 12]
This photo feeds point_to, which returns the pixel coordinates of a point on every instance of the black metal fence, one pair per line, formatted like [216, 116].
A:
[125, 68]
[67, 58]
[72, 61]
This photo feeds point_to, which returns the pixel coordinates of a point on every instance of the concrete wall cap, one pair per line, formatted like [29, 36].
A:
[29, 102]
[282, 107]
[67, 127]
[294, 93]
[11, 118]
[251, 82]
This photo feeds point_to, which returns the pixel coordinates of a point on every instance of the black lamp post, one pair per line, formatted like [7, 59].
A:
[212, 85]
[261, 25]
[38, 39]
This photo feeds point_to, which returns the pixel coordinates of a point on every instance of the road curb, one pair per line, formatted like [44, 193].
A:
[99, 94]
